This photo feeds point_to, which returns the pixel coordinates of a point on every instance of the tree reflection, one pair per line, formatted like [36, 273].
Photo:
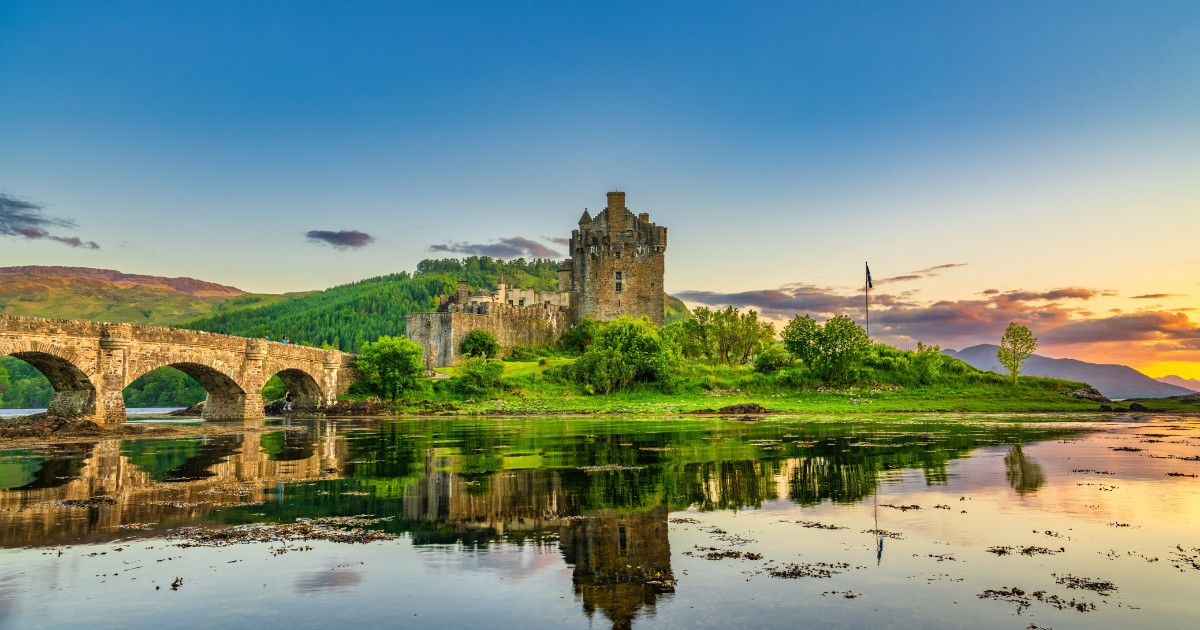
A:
[1023, 472]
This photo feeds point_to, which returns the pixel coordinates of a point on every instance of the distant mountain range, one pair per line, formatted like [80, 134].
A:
[1189, 383]
[1114, 381]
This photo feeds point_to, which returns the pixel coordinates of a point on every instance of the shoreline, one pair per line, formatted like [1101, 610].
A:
[56, 430]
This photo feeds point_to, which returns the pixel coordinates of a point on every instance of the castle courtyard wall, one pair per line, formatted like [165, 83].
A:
[441, 334]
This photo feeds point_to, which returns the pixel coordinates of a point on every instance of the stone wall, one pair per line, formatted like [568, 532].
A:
[441, 334]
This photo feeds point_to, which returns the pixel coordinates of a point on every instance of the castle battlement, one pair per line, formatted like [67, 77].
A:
[615, 268]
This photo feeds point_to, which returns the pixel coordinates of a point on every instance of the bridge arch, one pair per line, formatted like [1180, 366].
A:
[307, 392]
[226, 397]
[74, 389]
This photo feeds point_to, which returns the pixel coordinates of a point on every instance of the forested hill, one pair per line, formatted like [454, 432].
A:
[346, 316]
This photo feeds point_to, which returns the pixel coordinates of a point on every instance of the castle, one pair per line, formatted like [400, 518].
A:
[615, 269]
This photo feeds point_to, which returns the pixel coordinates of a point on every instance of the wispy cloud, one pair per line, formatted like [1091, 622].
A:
[509, 248]
[930, 272]
[1155, 296]
[341, 239]
[24, 219]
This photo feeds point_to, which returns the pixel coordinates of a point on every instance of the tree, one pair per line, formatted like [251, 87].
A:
[480, 343]
[728, 337]
[800, 338]
[841, 346]
[926, 363]
[391, 365]
[1017, 345]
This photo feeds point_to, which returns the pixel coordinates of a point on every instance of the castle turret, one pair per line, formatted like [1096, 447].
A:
[617, 264]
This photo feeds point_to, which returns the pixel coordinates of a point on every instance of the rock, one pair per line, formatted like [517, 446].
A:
[1105, 407]
[191, 412]
[1137, 407]
[743, 409]
[1090, 393]
[357, 408]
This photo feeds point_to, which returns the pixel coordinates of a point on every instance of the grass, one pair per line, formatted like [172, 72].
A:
[528, 390]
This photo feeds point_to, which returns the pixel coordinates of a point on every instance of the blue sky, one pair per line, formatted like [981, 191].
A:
[1038, 146]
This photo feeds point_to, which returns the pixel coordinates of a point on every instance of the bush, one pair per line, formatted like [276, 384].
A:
[926, 363]
[480, 343]
[478, 377]
[577, 339]
[390, 365]
[624, 352]
[772, 359]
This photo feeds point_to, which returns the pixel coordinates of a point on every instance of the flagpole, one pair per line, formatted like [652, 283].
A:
[867, 296]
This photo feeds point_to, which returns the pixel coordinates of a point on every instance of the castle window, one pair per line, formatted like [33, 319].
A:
[521, 302]
[628, 232]
[618, 276]
[618, 255]
[618, 287]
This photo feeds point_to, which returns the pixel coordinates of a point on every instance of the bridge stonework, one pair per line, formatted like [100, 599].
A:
[90, 363]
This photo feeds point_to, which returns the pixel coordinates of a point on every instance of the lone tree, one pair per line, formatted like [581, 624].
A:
[800, 338]
[481, 343]
[1017, 345]
[390, 365]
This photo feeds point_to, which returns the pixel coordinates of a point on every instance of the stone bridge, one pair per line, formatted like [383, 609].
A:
[89, 363]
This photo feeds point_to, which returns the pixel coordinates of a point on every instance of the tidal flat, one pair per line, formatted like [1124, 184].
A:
[928, 521]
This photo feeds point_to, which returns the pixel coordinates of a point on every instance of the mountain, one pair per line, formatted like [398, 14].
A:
[1179, 381]
[187, 286]
[106, 295]
[1114, 381]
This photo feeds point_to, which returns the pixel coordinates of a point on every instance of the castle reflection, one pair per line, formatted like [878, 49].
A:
[603, 499]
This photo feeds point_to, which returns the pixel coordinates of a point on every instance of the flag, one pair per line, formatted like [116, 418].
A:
[869, 285]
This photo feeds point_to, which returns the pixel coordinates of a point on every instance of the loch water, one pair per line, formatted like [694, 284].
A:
[559, 522]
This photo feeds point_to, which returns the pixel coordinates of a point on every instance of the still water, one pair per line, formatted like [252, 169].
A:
[923, 522]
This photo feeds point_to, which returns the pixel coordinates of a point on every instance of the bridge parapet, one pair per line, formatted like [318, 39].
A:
[90, 363]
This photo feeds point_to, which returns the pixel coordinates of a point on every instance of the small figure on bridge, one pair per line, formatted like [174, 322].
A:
[285, 340]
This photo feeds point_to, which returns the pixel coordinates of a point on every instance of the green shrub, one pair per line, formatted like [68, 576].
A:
[577, 338]
[478, 377]
[772, 359]
[480, 343]
[624, 352]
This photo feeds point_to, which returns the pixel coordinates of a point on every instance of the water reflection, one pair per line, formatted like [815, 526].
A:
[1022, 471]
[622, 561]
[599, 491]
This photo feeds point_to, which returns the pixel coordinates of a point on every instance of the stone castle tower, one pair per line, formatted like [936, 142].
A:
[616, 265]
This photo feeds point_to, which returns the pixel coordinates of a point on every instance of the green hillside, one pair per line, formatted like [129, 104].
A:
[348, 315]
[675, 311]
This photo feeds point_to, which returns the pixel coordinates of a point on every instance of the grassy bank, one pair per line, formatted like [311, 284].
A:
[536, 387]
